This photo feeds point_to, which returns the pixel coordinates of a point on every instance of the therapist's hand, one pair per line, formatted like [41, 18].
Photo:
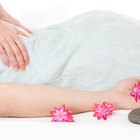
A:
[12, 20]
[12, 50]
[5, 16]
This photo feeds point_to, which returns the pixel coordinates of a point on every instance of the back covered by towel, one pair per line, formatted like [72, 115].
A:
[90, 51]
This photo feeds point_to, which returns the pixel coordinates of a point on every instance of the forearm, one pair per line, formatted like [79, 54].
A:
[24, 100]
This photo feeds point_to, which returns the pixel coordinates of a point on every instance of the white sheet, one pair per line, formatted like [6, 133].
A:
[86, 127]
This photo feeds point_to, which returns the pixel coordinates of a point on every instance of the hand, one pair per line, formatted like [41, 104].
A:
[121, 93]
[12, 50]
[13, 21]
[5, 16]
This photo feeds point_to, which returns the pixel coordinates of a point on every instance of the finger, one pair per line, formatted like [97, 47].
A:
[23, 50]
[14, 21]
[22, 33]
[26, 29]
[11, 20]
[10, 55]
[4, 57]
[18, 54]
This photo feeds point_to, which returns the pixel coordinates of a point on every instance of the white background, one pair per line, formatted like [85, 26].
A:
[35, 13]
[38, 13]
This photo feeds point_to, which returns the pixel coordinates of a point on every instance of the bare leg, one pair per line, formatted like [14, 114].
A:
[24, 100]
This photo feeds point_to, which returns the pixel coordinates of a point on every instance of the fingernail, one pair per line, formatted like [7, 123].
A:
[22, 66]
[31, 32]
[8, 64]
[27, 62]
[28, 36]
[16, 68]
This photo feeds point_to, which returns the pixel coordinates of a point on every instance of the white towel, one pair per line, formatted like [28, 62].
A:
[90, 51]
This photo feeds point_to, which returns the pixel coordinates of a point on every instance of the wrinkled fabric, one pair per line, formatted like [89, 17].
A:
[90, 51]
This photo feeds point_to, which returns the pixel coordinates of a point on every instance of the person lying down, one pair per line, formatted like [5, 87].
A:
[90, 58]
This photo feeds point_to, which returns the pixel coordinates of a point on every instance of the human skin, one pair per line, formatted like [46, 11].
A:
[4, 15]
[12, 49]
[28, 100]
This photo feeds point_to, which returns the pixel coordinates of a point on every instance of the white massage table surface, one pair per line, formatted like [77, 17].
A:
[86, 127]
